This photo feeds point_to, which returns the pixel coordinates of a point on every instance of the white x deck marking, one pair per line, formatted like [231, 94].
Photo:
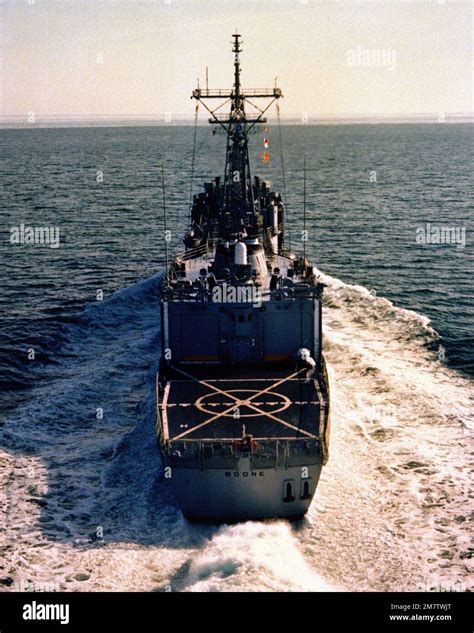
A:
[239, 402]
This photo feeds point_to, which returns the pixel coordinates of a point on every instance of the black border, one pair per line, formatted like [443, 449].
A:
[238, 612]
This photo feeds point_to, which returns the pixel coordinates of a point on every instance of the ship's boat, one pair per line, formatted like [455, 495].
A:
[242, 388]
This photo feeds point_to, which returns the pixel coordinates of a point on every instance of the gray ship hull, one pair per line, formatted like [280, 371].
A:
[244, 493]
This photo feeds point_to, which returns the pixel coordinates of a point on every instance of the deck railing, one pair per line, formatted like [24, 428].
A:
[287, 293]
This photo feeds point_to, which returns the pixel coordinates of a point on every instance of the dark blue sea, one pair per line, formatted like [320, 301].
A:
[80, 344]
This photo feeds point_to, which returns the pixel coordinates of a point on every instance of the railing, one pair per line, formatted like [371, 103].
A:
[159, 420]
[229, 92]
[190, 253]
[324, 413]
[262, 92]
[206, 92]
[272, 231]
[249, 118]
[286, 293]
[276, 451]
[196, 252]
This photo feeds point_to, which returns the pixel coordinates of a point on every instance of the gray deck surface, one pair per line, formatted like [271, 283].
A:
[213, 408]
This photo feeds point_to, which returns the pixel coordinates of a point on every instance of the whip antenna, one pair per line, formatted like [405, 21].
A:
[165, 227]
[304, 210]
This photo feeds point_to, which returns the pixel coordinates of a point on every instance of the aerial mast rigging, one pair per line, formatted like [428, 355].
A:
[239, 206]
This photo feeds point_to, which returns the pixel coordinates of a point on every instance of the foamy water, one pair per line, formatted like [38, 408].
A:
[86, 506]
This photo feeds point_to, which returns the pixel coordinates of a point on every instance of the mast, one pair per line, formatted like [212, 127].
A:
[236, 50]
[239, 212]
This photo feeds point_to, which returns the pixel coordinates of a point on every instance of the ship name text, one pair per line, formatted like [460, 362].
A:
[245, 473]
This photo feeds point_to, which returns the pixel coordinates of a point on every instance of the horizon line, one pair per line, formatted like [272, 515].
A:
[32, 121]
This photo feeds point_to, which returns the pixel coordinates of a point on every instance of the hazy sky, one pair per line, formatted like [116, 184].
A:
[123, 57]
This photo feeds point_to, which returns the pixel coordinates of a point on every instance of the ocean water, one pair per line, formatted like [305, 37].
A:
[84, 503]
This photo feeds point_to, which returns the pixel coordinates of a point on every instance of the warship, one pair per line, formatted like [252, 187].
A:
[242, 390]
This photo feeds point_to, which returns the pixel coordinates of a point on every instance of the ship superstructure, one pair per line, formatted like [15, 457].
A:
[242, 390]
